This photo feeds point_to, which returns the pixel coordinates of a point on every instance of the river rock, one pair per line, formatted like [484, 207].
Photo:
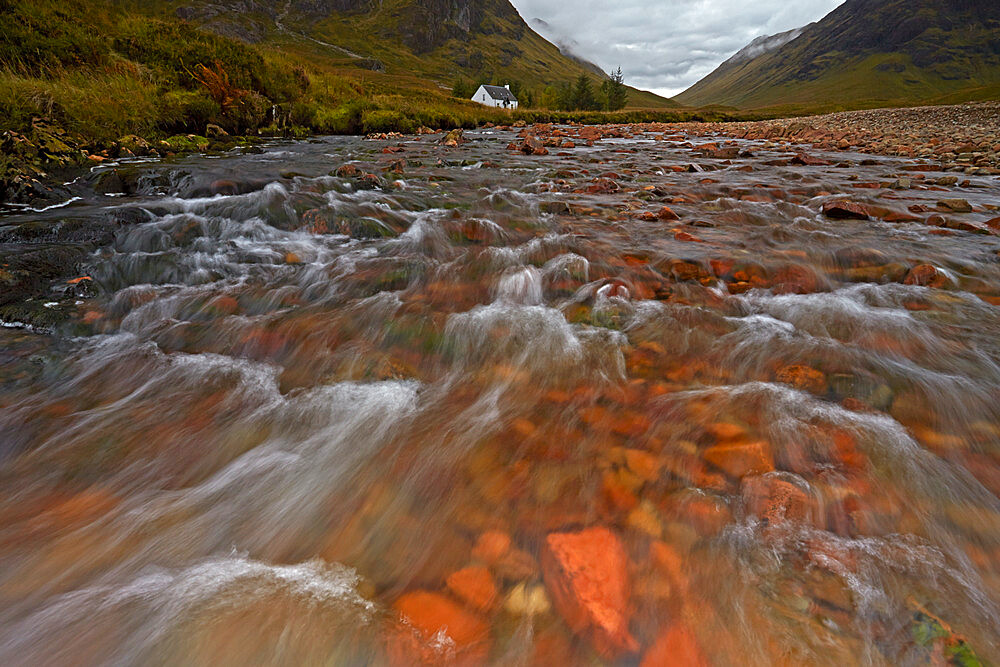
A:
[475, 586]
[452, 139]
[587, 576]
[738, 459]
[430, 618]
[845, 210]
[926, 275]
[803, 378]
[775, 500]
[956, 205]
[666, 213]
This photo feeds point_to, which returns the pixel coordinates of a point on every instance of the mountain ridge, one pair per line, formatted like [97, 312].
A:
[869, 53]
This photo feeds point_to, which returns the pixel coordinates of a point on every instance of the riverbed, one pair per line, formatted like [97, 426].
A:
[635, 396]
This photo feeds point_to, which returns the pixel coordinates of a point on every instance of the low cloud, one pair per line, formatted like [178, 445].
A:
[666, 45]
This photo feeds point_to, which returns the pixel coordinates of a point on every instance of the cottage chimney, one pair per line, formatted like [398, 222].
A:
[507, 86]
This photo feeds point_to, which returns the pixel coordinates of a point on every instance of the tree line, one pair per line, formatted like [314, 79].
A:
[580, 95]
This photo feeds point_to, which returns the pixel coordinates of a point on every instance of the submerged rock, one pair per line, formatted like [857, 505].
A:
[437, 630]
[587, 575]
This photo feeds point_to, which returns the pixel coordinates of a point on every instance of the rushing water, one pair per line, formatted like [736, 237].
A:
[291, 399]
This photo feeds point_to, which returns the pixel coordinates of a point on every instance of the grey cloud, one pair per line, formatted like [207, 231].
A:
[666, 46]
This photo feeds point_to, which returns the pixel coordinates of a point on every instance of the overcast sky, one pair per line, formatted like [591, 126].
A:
[666, 45]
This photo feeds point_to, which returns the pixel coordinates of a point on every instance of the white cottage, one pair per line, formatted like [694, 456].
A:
[495, 96]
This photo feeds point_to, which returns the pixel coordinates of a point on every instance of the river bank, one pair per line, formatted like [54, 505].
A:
[962, 137]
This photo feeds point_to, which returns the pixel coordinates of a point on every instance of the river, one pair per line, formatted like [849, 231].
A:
[486, 407]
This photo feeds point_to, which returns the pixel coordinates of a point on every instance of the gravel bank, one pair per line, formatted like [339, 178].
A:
[961, 137]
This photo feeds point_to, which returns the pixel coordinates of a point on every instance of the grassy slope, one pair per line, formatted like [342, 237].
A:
[534, 61]
[821, 71]
[123, 72]
[375, 33]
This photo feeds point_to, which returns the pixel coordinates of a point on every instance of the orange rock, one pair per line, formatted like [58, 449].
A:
[643, 464]
[669, 562]
[491, 546]
[666, 213]
[432, 617]
[724, 431]
[803, 378]
[926, 275]
[739, 459]
[796, 279]
[475, 586]
[681, 235]
[846, 450]
[677, 647]
[617, 495]
[587, 575]
[775, 500]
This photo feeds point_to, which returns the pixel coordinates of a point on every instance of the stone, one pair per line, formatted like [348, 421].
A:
[775, 500]
[741, 458]
[666, 213]
[808, 160]
[845, 210]
[803, 378]
[956, 205]
[475, 586]
[432, 621]
[586, 574]
[524, 600]
[555, 207]
[532, 146]
[603, 186]
[926, 275]
[452, 139]
[492, 546]
[348, 171]
[724, 431]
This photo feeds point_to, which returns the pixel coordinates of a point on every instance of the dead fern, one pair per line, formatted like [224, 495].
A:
[216, 82]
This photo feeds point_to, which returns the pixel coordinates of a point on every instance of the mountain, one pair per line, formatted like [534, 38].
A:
[435, 40]
[567, 45]
[866, 53]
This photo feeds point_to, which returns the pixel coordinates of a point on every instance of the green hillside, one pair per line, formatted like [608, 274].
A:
[869, 53]
[107, 68]
[435, 41]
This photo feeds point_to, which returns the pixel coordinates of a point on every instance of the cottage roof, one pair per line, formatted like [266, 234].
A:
[500, 93]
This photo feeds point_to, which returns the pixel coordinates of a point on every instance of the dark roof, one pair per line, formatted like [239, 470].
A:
[500, 93]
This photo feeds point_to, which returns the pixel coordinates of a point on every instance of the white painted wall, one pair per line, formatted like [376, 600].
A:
[484, 98]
